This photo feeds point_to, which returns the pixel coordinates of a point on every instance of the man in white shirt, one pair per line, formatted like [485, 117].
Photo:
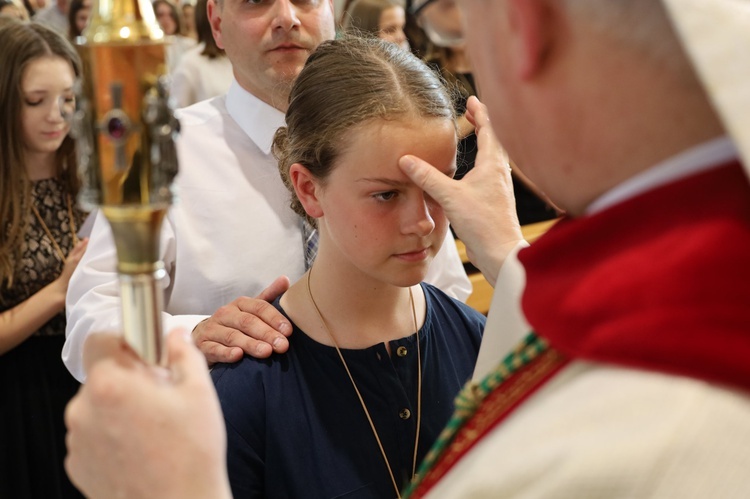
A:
[231, 233]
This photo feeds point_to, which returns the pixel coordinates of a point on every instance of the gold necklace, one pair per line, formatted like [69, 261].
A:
[49, 234]
[359, 395]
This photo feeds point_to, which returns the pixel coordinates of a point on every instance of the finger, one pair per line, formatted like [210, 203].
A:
[101, 346]
[261, 321]
[72, 413]
[216, 353]
[79, 249]
[272, 321]
[471, 104]
[258, 342]
[238, 330]
[76, 254]
[80, 246]
[491, 157]
[72, 459]
[184, 360]
[480, 117]
[277, 287]
[428, 178]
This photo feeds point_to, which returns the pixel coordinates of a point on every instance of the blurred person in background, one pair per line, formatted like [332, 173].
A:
[384, 19]
[188, 20]
[32, 6]
[204, 71]
[78, 17]
[55, 16]
[39, 249]
[9, 8]
[170, 22]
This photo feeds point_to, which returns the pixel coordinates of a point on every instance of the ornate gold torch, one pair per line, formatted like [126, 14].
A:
[125, 130]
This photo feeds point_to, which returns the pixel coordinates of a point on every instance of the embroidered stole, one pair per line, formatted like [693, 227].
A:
[479, 407]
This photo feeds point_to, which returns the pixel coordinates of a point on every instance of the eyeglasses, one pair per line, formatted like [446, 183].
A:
[441, 20]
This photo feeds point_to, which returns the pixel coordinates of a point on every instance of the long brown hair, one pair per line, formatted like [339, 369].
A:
[344, 84]
[21, 44]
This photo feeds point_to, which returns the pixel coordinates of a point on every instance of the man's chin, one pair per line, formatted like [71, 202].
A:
[287, 73]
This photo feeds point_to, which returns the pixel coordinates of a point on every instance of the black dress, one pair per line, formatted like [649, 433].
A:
[35, 386]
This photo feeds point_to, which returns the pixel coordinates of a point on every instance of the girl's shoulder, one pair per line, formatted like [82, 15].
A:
[438, 298]
[446, 312]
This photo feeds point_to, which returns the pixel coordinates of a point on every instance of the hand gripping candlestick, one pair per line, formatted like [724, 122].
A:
[125, 130]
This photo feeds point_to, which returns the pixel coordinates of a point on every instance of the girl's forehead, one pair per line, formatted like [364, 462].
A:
[47, 71]
[396, 123]
[380, 143]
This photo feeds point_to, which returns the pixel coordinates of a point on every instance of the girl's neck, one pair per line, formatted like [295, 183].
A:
[358, 311]
[40, 165]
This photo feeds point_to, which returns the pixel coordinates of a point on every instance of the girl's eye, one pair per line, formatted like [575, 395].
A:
[33, 103]
[385, 196]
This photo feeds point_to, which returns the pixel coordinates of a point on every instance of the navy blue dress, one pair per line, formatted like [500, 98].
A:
[297, 429]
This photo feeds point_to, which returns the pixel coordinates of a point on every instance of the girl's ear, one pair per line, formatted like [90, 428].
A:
[307, 189]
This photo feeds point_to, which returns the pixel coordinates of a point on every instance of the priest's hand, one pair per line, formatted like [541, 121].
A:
[481, 206]
[140, 431]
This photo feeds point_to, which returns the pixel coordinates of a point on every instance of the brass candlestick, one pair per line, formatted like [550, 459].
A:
[125, 131]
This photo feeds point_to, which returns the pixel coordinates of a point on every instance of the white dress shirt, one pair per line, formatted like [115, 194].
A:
[230, 233]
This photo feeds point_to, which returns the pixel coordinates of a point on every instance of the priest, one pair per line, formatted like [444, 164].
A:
[633, 380]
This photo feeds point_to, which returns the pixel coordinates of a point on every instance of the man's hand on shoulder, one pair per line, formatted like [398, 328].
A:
[245, 326]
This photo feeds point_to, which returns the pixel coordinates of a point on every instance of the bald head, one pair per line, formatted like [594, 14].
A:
[585, 94]
[638, 25]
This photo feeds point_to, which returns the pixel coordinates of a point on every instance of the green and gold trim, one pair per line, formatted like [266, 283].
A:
[480, 406]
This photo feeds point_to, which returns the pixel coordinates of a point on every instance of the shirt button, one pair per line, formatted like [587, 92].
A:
[401, 351]
[404, 414]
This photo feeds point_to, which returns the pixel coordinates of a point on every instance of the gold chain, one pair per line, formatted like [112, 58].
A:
[359, 395]
[49, 234]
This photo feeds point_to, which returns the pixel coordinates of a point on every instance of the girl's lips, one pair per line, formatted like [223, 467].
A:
[413, 256]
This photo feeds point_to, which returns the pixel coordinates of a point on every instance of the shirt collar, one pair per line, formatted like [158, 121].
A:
[700, 158]
[256, 118]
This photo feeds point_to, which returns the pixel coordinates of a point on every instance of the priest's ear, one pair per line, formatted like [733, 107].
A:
[531, 25]
[307, 188]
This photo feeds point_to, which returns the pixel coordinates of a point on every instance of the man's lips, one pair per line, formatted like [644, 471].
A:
[284, 47]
